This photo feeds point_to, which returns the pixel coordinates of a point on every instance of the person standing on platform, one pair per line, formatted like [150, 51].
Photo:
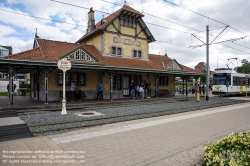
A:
[78, 94]
[203, 89]
[132, 89]
[100, 90]
[72, 91]
[199, 85]
[137, 91]
[146, 88]
[141, 90]
[8, 88]
[210, 88]
[149, 90]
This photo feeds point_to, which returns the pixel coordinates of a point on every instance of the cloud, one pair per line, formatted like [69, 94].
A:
[17, 44]
[22, 28]
[6, 30]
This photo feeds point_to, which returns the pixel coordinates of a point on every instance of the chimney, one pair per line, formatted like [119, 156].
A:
[91, 20]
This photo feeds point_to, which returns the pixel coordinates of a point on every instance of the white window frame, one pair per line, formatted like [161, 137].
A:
[135, 53]
[115, 49]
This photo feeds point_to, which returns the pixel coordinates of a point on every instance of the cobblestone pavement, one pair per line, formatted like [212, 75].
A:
[139, 142]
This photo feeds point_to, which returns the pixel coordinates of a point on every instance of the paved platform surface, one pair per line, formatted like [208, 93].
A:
[26, 101]
[138, 142]
[10, 121]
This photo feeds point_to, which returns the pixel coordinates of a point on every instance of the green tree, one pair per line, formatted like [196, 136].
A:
[203, 78]
[245, 68]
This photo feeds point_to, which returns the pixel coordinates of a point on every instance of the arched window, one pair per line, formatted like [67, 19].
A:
[80, 55]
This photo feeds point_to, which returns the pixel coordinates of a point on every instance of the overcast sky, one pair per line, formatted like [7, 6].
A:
[17, 29]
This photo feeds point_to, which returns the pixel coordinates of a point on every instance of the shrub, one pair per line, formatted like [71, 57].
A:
[232, 150]
[24, 85]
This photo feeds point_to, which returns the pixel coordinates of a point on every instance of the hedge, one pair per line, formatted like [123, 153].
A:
[232, 150]
[24, 85]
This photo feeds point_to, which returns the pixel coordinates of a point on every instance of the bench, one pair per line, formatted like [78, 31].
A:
[68, 95]
[163, 92]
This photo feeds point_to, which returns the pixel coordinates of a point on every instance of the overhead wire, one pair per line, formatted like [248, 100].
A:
[155, 17]
[201, 15]
[108, 13]
[41, 18]
[235, 49]
[198, 31]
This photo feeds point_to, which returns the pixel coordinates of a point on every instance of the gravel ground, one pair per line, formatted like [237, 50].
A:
[46, 123]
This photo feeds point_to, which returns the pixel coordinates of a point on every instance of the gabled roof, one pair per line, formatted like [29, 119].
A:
[52, 51]
[109, 19]
[2, 48]
[171, 65]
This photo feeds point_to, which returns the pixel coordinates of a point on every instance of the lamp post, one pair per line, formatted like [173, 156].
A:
[64, 65]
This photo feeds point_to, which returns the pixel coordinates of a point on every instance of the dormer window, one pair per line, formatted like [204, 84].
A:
[128, 22]
[133, 23]
[122, 20]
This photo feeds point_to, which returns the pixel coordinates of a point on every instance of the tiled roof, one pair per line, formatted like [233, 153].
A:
[100, 26]
[33, 54]
[52, 51]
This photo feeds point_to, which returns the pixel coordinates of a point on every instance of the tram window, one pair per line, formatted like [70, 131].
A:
[220, 80]
[239, 81]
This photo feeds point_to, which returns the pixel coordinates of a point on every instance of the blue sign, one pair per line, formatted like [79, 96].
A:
[227, 84]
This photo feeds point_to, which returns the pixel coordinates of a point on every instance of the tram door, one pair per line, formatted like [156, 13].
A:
[125, 85]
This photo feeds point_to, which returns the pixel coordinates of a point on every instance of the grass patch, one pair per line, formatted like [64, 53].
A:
[15, 94]
[36, 135]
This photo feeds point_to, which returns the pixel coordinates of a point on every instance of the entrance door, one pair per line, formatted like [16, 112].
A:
[125, 86]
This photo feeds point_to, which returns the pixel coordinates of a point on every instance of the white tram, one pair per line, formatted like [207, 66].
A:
[237, 82]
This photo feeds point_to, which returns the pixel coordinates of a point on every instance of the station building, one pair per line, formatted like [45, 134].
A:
[113, 51]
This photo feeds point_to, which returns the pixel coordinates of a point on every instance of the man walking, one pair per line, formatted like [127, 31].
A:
[132, 89]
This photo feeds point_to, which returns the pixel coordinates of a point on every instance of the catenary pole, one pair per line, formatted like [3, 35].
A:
[207, 74]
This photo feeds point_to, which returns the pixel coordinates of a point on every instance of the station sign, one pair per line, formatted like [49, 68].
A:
[64, 64]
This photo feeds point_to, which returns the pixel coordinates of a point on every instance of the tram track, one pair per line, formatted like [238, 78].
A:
[46, 129]
[89, 107]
